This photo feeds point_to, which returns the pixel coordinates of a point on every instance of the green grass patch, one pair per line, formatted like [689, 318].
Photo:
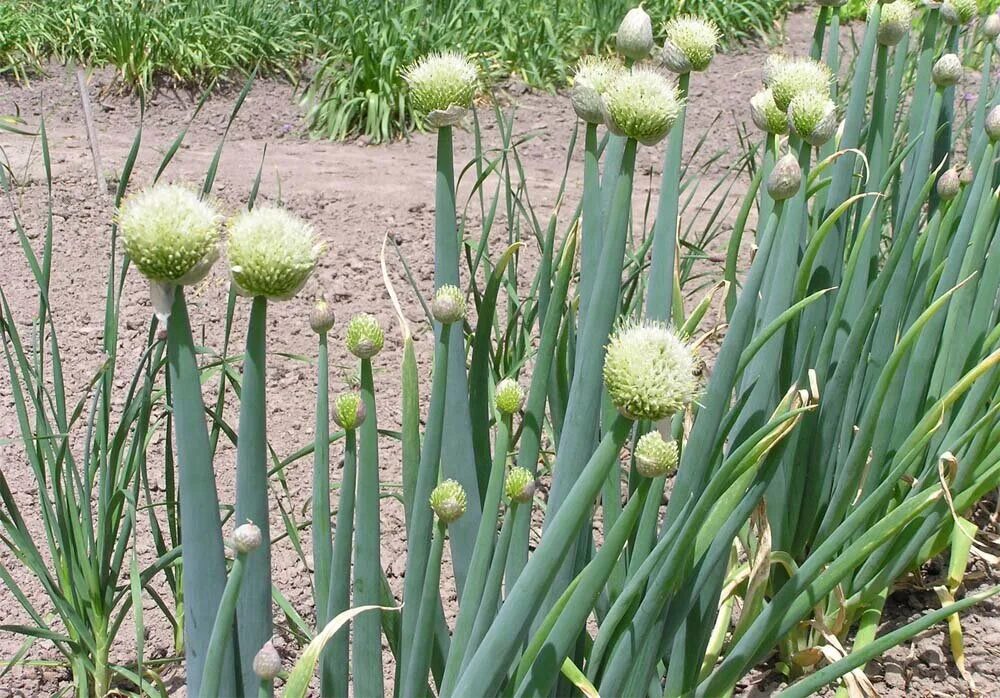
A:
[359, 46]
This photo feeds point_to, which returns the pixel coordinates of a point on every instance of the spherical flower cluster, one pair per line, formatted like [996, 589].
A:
[894, 21]
[992, 124]
[771, 65]
[955, 12]
[267, 662]
[655, 457]
[271, 253]
[448, 306]
[785, 178]
[170, 234]
[322, 318]
[765, 113]
[593, 74]
[509, 396]
[448, 501]
[634, 39]
[349, 411]
[442, 87]
[812, 116]
[649, 371]
[246, 538]
[690, 44]
[641, 104]
[520, 485]
[788, 77]
[949, 184]
[947, 70]
[365, 337]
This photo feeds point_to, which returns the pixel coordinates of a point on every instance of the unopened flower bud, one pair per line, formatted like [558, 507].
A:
[690, 44]
[246, 538]
[593, 74]
[765, 113]
[641, 104]
[649, 371]
[448, 305]
[271, 253]
[949, 184]
[509, 396]
[520, 485]
[947, 71]
[966, 175]
[785, 179]
[894, 22]
[267, 662]
[655, 457]
[448, 501]
[442, 87]
[993, 124]
[349, 411]
[956, 12]
[322, 318]
[991, 26]
[634, 39]
[790, 77]
[812, 116]
[364, 336]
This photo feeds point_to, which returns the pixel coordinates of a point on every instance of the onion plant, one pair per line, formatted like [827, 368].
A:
[844, 432]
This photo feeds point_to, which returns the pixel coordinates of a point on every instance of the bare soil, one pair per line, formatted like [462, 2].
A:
[354, 195]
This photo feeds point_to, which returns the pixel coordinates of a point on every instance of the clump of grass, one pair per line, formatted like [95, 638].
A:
[190, 42]
[357, 89]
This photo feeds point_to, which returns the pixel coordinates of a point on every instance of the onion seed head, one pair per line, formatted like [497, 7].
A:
[246, 538]
[442, 87]
[785, 178]
[991, 26]
[448, 501]
[271, 253]
[593, 74]
[993, 124]
[448, 306]
[634, 39]
[790, 77]
[655, 457]
[690, 44]
[765, 113]
[170, 234]
[520, 485]
[349, 411]
[641, 104]
[947, 71]
[649, 371]
[365, 337]
[267, 662]
[321, 318]
[956, 12]
[812, 116]
[509, 396]
[894, 22]
[949, 184]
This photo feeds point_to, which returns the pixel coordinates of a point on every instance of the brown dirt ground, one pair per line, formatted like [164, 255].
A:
[354, 195]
